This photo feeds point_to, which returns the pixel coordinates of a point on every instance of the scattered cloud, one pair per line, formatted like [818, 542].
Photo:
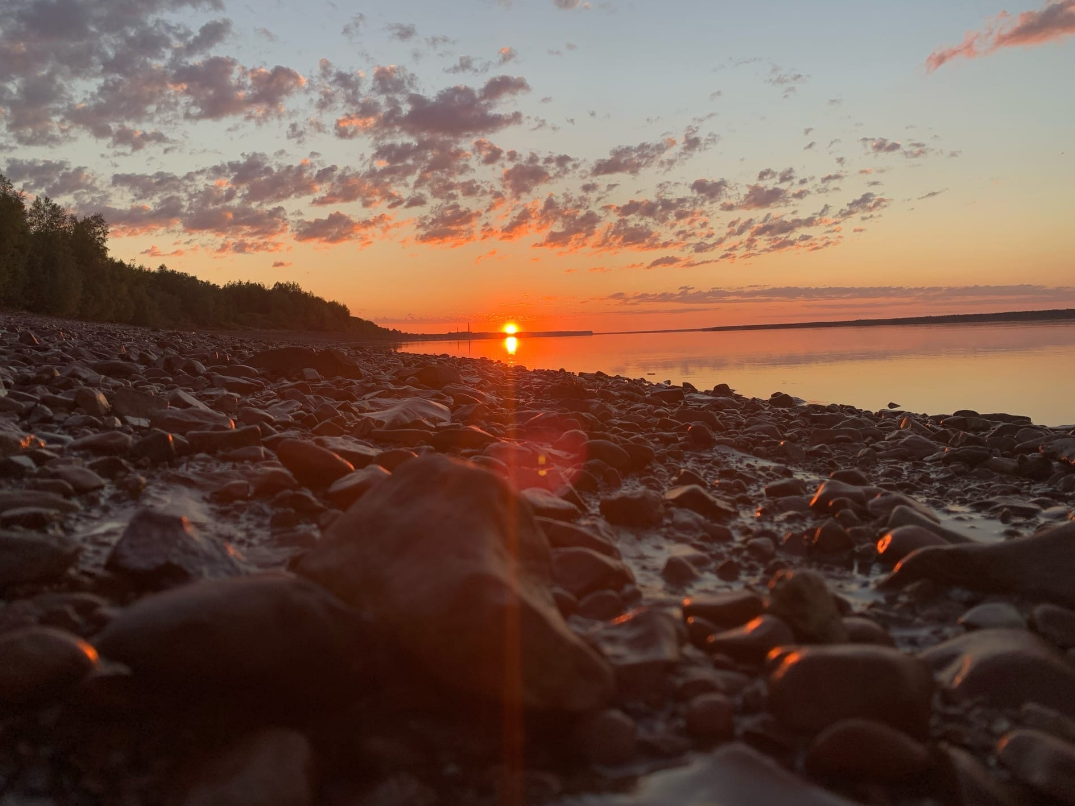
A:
[1051, 23]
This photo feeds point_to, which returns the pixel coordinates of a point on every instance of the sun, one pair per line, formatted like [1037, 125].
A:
[511, 328]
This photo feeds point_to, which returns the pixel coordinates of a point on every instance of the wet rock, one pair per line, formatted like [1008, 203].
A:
[224, 440]
[28, 557]
[992, 615]
[642, 647]
[967, 782]
[899, 542]
[725, 610]
[1057, 624]
[567, 535]
[409, 413]
[831, 538]
[128, 402]
[105, 443]
[832, 489]
[1005, 668]
[82, 479]
[860, 749]
[696, 499]
[41, 664]
[1040, 567]
[157, 446]
[581, 571]
[256, 636]
[710, 717]
[864, 631]
[160, 549]
[272, 767]
[549, 505]
[803, 601]
[634, 508]
[346, 490]
[608, 452]
[814, 687]
[608, 737]
[385, 555]
[679, 571]
[183, 421]
[311, 464]
[754, 640]
[601, 605]
[734, 774]
[1041, 761]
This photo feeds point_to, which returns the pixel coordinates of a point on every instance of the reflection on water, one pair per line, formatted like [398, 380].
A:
[1017, 368]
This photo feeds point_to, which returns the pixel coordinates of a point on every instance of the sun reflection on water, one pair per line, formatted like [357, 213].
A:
[511, 344]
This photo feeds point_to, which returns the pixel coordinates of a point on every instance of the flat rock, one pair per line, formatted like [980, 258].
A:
[311, 464]
[347, 489]
[408, 413]
[633, 508]
[105, 443]
[642, 646]
[581, 571]
[183, 421]
[442, 554]
[696, 499]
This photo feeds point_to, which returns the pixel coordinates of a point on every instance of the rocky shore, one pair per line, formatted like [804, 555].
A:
[237, 571]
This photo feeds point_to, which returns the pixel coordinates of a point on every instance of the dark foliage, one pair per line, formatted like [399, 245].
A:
[58, 264]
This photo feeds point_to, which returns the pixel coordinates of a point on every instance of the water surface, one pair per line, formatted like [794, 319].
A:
[1015, 368]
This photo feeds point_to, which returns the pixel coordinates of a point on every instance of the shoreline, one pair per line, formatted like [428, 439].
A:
[227, 556]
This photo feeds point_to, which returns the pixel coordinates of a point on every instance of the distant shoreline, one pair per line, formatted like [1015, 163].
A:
[1055, 315]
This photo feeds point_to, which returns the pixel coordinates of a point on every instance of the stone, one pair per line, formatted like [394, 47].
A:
[347, 489]
[734, 774]
[1005, 668]
[387, 556]
[608, 452]
[267, 635]
[1040, 567]
[82, 479]
[550, 505]
[581, 571]
[725, 610]
[11, 499]
[1056, 624]
[26, 557]
[563, 535]
[696, 499]
[311, 464]
[607, 737]
[639, 507]
[967, 782]
[158, 549]
[992, 615]
[92, 401]
[272, 767]
[897, 543]
[183, 421]
[1043, 762]
[832, 489]
[643, 647]
[104, 443]
[831, 538]
[410, 412]
[128, 402]
[224, 440]
[803, 601]
[863, 750]
[754, 640]
[156, 446]
[814, 687]
[40, 664]
[710, 717]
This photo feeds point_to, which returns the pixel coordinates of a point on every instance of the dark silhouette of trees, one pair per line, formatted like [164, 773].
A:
[55, 263]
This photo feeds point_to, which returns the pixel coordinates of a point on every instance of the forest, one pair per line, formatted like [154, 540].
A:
[55, 263]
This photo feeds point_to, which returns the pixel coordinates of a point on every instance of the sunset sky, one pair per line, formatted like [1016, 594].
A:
[607, 165]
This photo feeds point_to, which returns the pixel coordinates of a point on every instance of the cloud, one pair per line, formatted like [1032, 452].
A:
[631, 159]
[339, 228]
[1051, 23]
[281, 264]
[709, 188]
[566, 5]
[401, 32]
[55, 178]
[354, 26]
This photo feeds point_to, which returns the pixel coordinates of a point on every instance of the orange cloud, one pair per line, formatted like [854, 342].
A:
[1053, 22]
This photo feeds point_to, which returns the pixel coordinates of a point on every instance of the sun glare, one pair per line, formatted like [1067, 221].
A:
[511, 328]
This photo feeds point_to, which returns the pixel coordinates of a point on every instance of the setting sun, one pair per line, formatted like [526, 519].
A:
[511, 328]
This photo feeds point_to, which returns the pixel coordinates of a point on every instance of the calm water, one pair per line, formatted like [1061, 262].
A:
[1018, 369]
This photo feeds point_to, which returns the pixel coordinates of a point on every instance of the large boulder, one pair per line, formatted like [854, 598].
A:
[450, 564]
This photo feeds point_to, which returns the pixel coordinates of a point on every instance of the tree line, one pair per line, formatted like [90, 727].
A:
[55, 263]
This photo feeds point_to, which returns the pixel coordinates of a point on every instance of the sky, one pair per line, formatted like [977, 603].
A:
[605, 166]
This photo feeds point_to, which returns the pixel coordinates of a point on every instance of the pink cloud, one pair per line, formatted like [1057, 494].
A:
[1051, 23]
